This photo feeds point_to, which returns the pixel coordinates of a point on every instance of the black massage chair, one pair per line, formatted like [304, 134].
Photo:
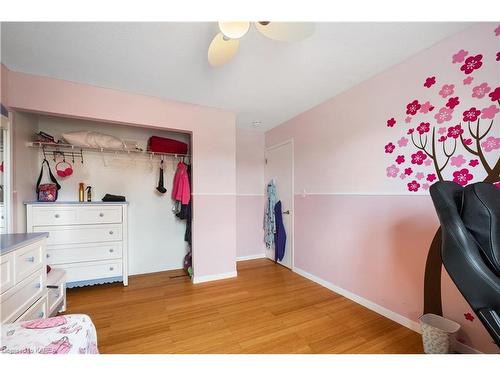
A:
[470, 226]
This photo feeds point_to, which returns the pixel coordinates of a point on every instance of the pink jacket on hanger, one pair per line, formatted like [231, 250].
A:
[181, 191]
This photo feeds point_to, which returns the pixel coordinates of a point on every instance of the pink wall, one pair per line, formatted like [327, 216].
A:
[213, 140]
[354, 227]
[250, 192]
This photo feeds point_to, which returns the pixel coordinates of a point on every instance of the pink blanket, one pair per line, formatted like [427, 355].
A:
[65, 334]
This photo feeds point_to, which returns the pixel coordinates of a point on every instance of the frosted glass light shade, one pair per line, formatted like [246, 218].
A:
[234, 30]
[221, 50]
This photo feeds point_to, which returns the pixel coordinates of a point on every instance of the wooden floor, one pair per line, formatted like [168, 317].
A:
[266, 309]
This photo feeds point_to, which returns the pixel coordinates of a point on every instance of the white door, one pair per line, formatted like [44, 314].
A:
[279, 166]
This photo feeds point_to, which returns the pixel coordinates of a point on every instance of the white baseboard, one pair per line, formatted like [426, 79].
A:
[404, 321]
[207, 278]
[250, 257]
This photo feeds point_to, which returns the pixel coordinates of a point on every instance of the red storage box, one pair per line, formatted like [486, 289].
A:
[167, 145]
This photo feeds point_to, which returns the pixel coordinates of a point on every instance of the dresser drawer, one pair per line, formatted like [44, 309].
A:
[29, 259]
[39, 310]
[7, 277]
[55, 215]
[59, 254]
[82, 234]
[92, 270]
[99, 214]
[16, 300]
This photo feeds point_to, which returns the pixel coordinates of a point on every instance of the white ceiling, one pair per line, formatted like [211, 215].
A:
[268, 81]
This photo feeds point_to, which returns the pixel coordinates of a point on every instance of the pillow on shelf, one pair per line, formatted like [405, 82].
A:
[93, 140]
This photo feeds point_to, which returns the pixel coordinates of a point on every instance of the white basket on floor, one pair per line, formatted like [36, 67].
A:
[437, 333]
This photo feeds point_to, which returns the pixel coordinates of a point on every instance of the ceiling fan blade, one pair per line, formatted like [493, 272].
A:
[221, 50]
[286, 31]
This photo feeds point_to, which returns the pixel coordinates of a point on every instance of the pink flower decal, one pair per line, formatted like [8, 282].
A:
[462, 177]
[447, 90]
[468, 80]
[389, 148]
[418, 158]
[472, 63]
[468, 316]
[410, 131]
[402, 176]
[408, 171]
[459, 56]
[474, 163]
[400, 159]
[481, 90]
[408, 119]
[453, 102]
[495, 95]
[425, 186]
[491, 144]
[457, 161]
[442, 138]
[413, 107]
[426, 107]
[428, 162]
[391, 122]
[490, 112]
[455, 131]
[413, 186]
[498, 56]
[403, 142]
[392, 171]
[497, 30]
[431, 177]
[424, 127]
[429, 81]
[468, 141]
[442, 130]
[419, 175]
[471, 114]
[443, 115]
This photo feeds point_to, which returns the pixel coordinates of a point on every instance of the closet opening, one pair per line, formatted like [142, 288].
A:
[126, 164]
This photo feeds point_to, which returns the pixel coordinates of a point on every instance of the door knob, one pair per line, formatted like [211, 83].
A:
[287, 212]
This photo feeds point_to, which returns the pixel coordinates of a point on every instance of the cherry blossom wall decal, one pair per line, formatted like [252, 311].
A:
[468, 316]
[455, 137]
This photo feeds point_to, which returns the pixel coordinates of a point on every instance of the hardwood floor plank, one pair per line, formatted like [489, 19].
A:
[266, 309]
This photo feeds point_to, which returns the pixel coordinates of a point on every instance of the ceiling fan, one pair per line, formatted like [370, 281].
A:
[226, 43]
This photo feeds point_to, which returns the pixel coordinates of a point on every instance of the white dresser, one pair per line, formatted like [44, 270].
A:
[23, 273]
[87, 240]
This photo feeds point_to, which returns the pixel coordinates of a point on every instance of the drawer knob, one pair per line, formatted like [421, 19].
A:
[111, 232]
[101, 214]
[41, 314]
[48, 255]
[111, 268]
[30, 259]
[56, 216]
[38, 285]
[111, 250]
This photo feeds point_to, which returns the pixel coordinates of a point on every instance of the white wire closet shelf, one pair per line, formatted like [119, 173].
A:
[60, 148]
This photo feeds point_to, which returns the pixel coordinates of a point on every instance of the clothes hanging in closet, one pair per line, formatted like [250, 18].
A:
[280, 235]
[181, 190]
[185, 212]
[269, 218]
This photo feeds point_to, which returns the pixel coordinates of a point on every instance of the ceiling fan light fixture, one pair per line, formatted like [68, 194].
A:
[221, 50]
[234, 30]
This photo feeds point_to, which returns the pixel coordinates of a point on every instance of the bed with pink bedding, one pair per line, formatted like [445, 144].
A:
[65, 334]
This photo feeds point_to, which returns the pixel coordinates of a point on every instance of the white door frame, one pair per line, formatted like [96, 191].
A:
[292, 235]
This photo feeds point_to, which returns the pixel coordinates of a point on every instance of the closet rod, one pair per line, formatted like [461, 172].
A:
[57, 147]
